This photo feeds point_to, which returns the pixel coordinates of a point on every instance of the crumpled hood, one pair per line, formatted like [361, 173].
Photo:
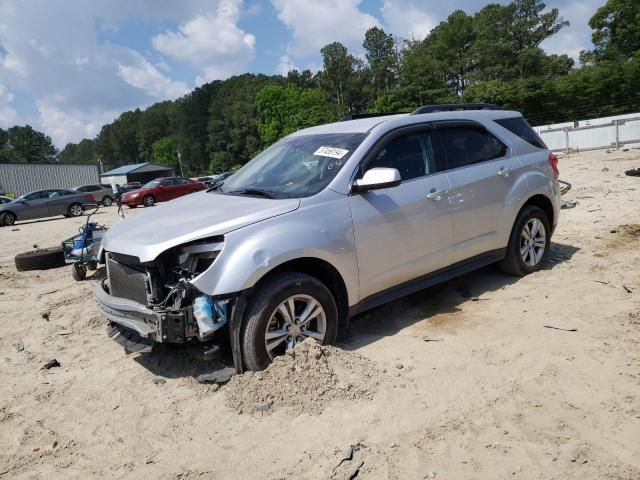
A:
[192, 217]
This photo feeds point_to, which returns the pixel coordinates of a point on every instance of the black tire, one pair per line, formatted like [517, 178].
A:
[92, 266]
[107, 201]
[513, 263]
[78, 272]
[148, 201]
[75, 210]
[7, 220]
[267, 297]
[40, 259]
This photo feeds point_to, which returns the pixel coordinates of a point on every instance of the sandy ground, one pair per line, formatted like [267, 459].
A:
[499, 396]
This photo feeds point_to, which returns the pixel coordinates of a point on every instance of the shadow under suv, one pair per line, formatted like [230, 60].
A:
[329, 222]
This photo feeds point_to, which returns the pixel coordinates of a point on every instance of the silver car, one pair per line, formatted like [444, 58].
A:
[329, 222]
[44, 203]
[102, 194]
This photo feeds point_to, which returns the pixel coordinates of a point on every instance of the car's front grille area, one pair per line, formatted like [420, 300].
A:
[126, 282]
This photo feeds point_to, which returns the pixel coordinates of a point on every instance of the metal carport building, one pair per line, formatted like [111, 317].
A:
[140, 172]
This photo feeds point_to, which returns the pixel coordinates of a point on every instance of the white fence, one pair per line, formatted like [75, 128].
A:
[595, 134]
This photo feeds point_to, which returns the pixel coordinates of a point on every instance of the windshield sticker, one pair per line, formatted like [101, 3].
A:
[331, 152]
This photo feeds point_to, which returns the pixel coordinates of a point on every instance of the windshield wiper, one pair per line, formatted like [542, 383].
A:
[253, 191]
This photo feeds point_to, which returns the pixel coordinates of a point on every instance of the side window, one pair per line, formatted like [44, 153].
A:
[180, 181]
[521, 128]
[37, 195]
[466, 146]
[82, 189]
[167, 183]
[411, 154]
[93, 188]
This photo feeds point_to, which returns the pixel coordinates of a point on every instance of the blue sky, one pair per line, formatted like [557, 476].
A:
[69, 66]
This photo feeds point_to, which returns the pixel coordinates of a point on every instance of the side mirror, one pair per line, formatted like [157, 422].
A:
[377, 178]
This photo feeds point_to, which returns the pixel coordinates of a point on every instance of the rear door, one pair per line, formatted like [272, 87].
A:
[183, 186]
[481, 171]
[58, 202]
[402, 232]
[165, 190]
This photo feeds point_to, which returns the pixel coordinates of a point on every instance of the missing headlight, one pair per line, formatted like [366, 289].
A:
[195, 257]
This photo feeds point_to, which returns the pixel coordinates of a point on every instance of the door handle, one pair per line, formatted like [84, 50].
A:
[436, 195]
[505, 172]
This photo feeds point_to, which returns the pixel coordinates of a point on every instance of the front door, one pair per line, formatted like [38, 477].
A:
[482, 172]
[402, 232]
[34, 205]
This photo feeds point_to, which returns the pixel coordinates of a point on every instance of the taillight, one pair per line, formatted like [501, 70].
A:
[553, 161]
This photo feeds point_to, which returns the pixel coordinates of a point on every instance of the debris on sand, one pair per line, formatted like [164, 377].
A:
[304, 380]
[51, 364]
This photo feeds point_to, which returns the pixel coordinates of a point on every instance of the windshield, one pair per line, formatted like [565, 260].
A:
[151, 184]
[295, 167]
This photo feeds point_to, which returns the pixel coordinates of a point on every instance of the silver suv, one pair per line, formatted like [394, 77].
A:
[329, 222]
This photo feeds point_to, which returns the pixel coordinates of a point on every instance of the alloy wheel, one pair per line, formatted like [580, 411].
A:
[296, 318]
[533, 242]
[75, 210]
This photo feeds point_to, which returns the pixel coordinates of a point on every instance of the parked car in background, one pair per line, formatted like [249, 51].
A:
[44, 203]
[220, 179]
[161, 190]
[211, 180]
[101, 193]
[4, 200]
[332, 221]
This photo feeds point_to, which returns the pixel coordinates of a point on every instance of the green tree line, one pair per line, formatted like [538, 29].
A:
[491, 56]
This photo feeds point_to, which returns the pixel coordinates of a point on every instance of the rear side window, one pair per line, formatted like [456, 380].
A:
[520, 127]
[180, 181]
[465, 146]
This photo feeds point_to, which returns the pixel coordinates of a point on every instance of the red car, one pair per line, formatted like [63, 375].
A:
[160, 190]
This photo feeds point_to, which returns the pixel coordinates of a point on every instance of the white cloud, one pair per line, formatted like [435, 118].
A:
[213, 43]
[314, 24]
[577, 37]
[407, 18]
[147, 77]
[58, 53]
[66, 125]
[8, 116]
[285, 65]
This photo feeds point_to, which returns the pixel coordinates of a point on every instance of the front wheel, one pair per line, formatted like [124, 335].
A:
[148, 201]
[8, 219]
[78, 272]
[284, 310]
[529, 243]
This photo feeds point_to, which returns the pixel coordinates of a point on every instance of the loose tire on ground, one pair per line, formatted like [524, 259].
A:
[513, 263]
[40, 259]
[263, 304]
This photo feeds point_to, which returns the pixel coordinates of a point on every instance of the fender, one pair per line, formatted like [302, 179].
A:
[322, 230]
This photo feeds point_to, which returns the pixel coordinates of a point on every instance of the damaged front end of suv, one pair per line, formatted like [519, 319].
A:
[156, 299]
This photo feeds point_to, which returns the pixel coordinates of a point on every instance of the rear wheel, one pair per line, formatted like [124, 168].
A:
[148, 201]
[284, 310]
[529, 243]
[75, 210]
[8, 219]
[107, 201]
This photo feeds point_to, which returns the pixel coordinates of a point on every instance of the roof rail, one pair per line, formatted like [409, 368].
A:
[358, 116]
[452, 107]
